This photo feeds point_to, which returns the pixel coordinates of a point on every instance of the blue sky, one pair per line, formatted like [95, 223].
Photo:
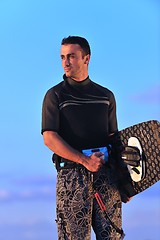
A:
[124, 38]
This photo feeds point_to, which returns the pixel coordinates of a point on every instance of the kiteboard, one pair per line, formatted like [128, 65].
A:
[145, 138]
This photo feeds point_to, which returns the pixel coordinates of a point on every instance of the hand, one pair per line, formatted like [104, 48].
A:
[94, 162]
[125, 198]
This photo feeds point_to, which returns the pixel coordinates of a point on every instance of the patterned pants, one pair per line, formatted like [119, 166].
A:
[78, 210]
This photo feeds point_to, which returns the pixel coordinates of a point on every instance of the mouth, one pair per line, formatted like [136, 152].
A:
[67, 69]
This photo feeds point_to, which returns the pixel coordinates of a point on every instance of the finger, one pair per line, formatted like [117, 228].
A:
[101, 156]
[103, 161]
[98, 154]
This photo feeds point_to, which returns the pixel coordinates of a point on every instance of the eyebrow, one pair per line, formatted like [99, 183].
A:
[68, 55]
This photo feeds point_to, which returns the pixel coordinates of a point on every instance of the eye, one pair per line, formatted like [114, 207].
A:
[72, 56]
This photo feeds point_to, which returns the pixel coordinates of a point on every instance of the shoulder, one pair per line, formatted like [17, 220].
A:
[103, 89]
[58, 87]
[55, 90]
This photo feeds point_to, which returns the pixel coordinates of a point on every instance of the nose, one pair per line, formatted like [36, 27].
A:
[66, 62]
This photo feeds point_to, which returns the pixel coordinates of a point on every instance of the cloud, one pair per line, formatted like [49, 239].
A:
[43, 193]
[28, 230]
[4, 194]
[151, 95]
[39, 180]
[32, 203]
[141, 218]
[28, 188]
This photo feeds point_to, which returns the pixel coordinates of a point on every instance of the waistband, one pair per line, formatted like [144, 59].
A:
[66, 164]
[62, 163]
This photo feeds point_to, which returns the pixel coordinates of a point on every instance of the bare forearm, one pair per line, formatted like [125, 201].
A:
[56, 144]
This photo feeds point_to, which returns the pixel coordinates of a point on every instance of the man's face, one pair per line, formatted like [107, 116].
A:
[74, 62]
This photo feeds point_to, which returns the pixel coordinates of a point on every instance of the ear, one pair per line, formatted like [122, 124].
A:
[87, 59]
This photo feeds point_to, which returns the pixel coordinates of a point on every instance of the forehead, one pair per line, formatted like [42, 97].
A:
[70, 48]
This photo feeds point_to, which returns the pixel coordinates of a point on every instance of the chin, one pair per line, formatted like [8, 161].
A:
[69, 74]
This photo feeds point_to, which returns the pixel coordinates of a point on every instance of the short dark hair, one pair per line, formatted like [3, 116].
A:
[82, 42]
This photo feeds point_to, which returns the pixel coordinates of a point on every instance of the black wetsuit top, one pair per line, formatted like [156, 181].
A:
[82, 113]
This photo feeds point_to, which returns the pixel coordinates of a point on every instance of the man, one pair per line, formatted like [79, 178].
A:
[79, 114]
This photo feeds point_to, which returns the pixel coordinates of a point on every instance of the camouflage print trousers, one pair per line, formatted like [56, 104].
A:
[78, 210]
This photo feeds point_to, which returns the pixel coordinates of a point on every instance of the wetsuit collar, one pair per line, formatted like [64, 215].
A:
[75, 83]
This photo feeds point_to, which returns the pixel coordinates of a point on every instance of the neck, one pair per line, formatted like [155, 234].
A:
[79, 77]
[73, 80]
